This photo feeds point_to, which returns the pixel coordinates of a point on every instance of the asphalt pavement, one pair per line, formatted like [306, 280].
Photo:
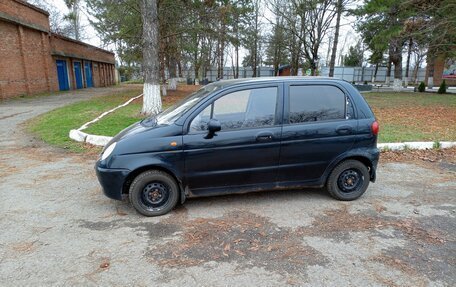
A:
[57, 228]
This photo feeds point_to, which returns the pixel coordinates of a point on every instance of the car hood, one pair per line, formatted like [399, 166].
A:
[145, 136]
[133, 129]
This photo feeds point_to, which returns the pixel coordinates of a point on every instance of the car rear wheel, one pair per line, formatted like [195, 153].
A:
[154, 193]
[348, 180]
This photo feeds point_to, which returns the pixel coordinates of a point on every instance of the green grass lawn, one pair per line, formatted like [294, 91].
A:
[414, 116]
[402, 116]
[54, 126]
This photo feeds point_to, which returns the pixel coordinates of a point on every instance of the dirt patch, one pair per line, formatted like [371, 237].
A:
[428, 155]
[339, 223]
[241, 237]
[443, 159]
[436, 261]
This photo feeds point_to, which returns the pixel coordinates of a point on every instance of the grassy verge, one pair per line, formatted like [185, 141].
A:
[402, 116]
[117, 121]
[54, 126]
[414, 116]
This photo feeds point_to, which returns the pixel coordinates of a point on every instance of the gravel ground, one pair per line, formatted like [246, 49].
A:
[58, 228]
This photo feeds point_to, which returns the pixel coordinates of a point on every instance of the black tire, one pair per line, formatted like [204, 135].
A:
[348, 180]
[154, 193]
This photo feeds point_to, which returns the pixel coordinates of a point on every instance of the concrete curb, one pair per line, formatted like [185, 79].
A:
[80, 136]
[415, 145]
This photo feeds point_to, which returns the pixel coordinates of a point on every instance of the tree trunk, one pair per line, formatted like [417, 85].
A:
[407, 66]
[236, 74]
[375, 73]
[430, 69]
[332, 62]
[151, 66]
[388, 72]
[222, 55]
[179, 69]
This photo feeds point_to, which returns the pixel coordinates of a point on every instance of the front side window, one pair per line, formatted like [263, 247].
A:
[242, 109]
[174, 112]
[316, 103]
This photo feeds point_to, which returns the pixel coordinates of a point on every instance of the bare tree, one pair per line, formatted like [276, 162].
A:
[57, 21]
[340, 5]
[309, 21]
[151, 65]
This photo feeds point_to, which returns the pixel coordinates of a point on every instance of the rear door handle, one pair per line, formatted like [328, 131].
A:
[344, 130]
[264, 136]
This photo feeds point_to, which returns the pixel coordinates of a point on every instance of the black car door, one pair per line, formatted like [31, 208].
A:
[318, 126]
[245, 152]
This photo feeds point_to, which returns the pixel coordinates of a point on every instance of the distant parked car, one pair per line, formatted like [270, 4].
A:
[245, 135]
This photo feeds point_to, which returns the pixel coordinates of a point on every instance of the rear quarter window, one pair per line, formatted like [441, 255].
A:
[316, 103]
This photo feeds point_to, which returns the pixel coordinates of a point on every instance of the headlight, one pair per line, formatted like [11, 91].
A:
[108, 151]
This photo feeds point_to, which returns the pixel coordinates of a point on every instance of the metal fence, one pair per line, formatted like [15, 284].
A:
[351, 74]
[228, 73]
[362, 74]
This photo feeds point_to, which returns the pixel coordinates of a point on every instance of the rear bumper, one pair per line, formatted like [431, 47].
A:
[373, 172]
[112, 180]
[375, 156]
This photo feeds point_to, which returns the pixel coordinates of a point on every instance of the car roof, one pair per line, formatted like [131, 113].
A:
[227, 83]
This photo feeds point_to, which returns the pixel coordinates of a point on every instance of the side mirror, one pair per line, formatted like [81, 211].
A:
[213, 126]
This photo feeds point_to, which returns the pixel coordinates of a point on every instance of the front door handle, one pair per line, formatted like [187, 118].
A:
[344, 130]
[264, 136]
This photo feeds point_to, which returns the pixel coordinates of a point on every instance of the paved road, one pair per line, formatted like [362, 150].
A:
[58, 229]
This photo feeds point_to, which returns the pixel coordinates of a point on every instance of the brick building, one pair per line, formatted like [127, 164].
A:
[34, 60]
[438, 74]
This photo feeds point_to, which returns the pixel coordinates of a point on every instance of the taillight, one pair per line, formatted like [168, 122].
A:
[375, 127]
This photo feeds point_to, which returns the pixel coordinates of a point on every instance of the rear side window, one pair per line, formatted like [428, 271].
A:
[316, 103]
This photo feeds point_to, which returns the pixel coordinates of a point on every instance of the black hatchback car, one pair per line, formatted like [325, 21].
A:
[246, 135]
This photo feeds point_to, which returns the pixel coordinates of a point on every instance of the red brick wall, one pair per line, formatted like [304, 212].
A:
[21, 11]
[11, 68]
[28, 54]
[25, 61]
[439, 65]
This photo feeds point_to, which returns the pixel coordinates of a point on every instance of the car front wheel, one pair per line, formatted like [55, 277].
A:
[154, 193]
[348, 180]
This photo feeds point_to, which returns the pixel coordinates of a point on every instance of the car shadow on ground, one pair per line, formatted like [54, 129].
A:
[231, 202]
[263, 196]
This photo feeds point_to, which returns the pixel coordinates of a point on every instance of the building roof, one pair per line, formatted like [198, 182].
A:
[80, 43]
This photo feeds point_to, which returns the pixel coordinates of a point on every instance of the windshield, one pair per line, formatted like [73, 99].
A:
[171, 114]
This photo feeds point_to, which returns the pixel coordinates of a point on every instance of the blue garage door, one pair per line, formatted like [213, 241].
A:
[88, 74]
[78, 75]
[62, 74]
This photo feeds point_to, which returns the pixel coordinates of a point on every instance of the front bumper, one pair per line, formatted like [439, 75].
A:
[111, 180]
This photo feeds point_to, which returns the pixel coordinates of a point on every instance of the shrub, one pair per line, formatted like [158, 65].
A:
[442, 88]
[365, 82]
[436, 145]
[422, 87]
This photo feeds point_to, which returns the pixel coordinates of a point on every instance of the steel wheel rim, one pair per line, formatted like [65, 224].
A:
[350, 180]
[155, 195]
